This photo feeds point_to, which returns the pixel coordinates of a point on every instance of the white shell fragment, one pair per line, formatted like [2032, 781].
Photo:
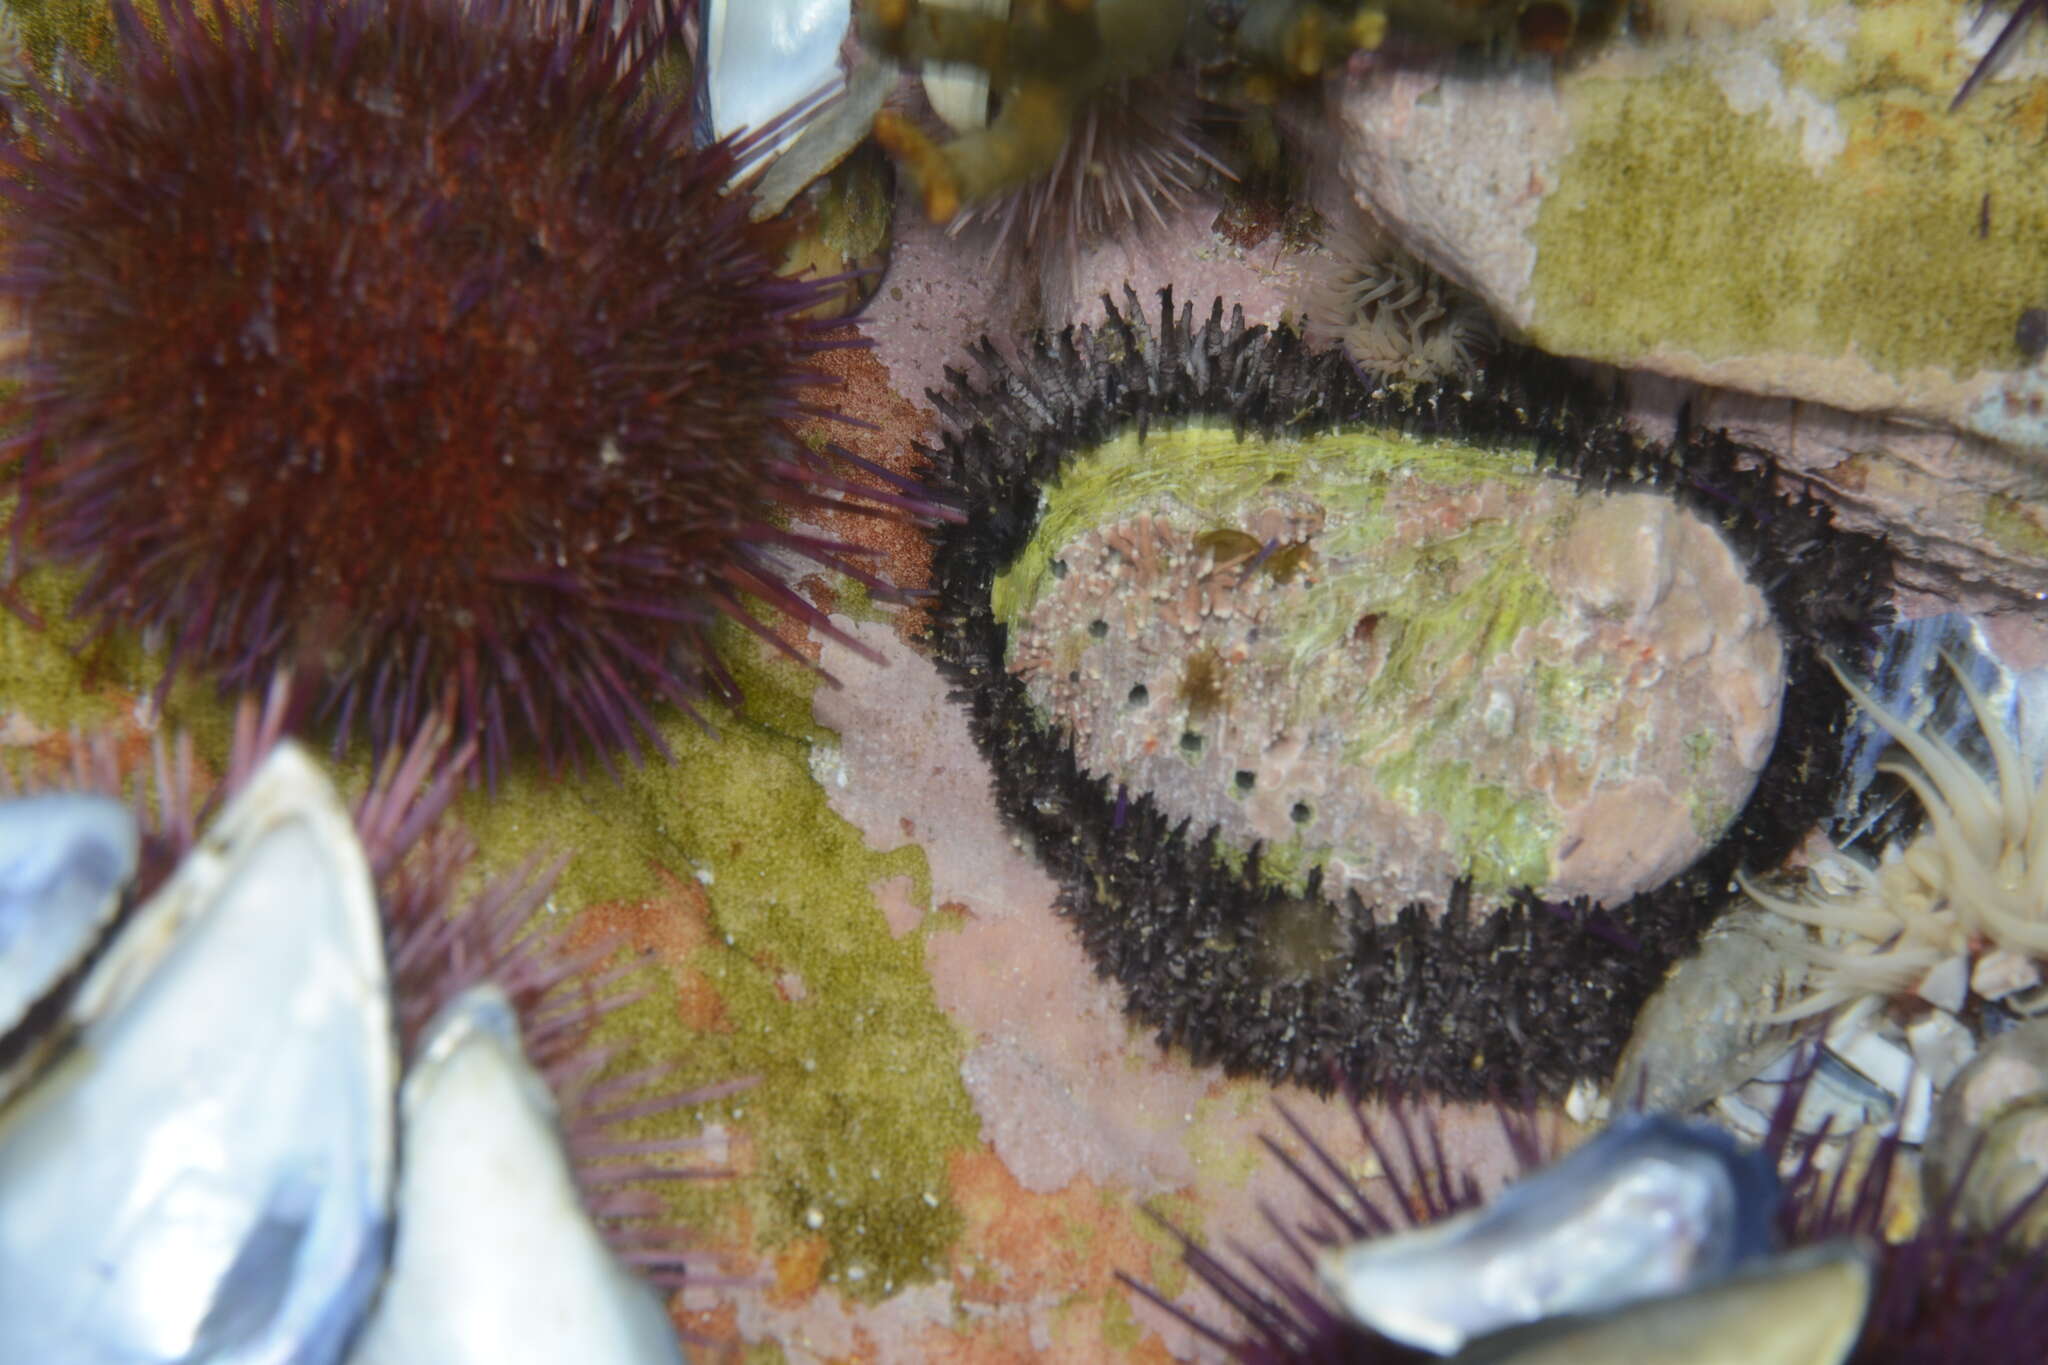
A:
[1805, 1308]
[496, 1260]
[2003, 972]
[1947, 983]
[1942, 1046]
[1650, 1206]
[64, 860]
[203, 1174]
[763, 58]
[1838, 1097]
[775, 63]
[957, 92]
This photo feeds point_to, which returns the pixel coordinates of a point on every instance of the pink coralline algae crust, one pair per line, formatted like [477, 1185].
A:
[1084, 1117]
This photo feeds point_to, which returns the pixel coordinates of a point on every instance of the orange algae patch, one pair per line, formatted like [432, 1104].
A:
[671, 927]
[1052, 1257]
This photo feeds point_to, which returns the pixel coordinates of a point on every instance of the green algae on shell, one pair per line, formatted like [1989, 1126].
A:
[1286, 956]
[1440, 668]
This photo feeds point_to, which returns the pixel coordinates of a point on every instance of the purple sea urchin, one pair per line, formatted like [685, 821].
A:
[440, 946]
[2023, 17]
[1259, 952]
[449, 374]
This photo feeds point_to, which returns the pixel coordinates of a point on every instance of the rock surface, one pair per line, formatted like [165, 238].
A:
[1779, 202]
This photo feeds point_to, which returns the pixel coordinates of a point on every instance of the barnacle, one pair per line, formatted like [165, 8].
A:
[1974, 878]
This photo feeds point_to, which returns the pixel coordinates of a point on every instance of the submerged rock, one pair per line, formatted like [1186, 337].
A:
[1781, 202]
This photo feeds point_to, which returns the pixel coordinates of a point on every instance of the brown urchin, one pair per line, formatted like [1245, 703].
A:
[419, 346]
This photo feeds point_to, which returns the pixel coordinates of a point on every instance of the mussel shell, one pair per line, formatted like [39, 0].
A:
[764, 57]
[1651, 1206]
[496, 1260]
[203, 1172]
[64, 861]
[1804, 1308]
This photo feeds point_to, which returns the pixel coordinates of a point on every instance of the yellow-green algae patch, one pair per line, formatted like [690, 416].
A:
[1219, 1154]
[1437, 639]
[1678, 224]
[860, 1097]
[2015, 526]
[61, 678]
[1206, 466]
[79, 28]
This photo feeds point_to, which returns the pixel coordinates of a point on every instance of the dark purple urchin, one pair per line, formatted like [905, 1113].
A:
[1494, 994]
[1283, 1317]
[1940, 1296]
[417, 346]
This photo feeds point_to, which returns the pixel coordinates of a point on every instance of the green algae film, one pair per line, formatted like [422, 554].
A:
[1430, 630]
[57, 675]
[1678, 224]
[860, 1099]
[53, 28]
[1207, 467]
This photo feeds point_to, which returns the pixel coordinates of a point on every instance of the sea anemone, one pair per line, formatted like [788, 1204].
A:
[450, 375]
[1973, 880]
[1942, 1293]
[1393, 315]
[1208, 886]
